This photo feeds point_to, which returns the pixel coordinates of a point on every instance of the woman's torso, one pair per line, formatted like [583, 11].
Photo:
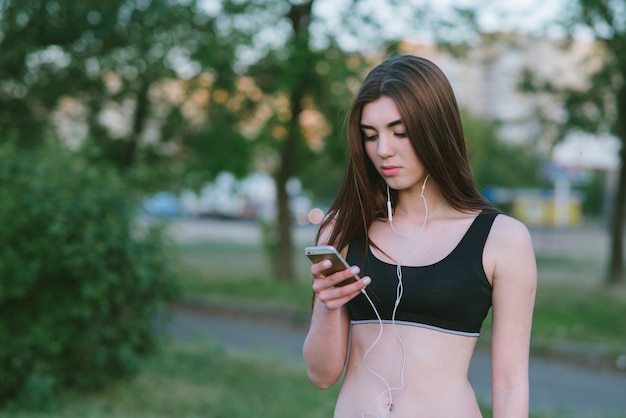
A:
[435, 374]
[433, 379]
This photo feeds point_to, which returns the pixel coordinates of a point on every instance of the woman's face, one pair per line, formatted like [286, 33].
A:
[388, 146]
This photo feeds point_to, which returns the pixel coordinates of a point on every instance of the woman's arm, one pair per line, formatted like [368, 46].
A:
[326, 345]
[512, 256]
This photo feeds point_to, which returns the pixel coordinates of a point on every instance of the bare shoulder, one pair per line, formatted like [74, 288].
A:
[509, 248]
[508, 232]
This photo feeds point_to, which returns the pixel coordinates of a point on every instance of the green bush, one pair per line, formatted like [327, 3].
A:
[80, 281]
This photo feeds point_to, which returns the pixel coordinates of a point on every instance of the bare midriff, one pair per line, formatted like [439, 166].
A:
[433, 383]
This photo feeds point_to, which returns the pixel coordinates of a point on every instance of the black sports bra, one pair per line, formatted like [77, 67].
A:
[452, 295]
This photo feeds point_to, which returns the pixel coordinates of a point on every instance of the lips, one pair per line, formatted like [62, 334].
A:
[390, 170]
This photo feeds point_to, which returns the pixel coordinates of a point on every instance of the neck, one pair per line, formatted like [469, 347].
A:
[412, 207]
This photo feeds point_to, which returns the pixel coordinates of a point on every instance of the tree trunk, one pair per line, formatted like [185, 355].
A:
[139, 121]
[284, 252]
[300, 16]
[288, 161]
[616, 258]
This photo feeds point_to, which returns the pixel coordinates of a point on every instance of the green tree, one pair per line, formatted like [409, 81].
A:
[80, 282]
[599, 107]
[35, 37]
[307, 77]
[304, 76]
[126, 75]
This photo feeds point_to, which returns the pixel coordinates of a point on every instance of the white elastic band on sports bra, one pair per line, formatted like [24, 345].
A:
[418, 325]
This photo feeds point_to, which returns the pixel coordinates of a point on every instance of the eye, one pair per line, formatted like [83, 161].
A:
[369, 137]
[400, 134]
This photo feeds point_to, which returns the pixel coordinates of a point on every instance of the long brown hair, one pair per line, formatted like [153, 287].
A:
[429, 111]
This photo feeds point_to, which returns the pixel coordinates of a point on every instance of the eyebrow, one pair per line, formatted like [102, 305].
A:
[389, 125]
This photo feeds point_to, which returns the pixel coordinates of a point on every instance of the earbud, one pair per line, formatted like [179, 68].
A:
[389, 211]
[424, 185]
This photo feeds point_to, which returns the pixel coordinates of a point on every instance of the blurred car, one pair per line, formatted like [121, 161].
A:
[162, 204]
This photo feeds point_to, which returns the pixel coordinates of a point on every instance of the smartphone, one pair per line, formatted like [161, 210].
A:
[323, 252]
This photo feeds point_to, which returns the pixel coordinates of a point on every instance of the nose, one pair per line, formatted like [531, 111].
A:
[385, 146]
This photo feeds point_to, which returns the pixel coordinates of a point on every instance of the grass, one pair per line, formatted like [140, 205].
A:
[570, 270]
[587, 314]
[200, 380]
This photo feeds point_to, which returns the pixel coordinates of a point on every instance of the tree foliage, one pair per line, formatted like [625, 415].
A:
[81, 283]
[126, 80]
[179, 91]
[496, 163]
[307, 78]
[295, 108]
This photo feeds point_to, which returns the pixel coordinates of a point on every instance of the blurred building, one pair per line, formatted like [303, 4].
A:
[487, 78]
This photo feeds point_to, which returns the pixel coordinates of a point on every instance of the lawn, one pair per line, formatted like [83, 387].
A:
[199, 380]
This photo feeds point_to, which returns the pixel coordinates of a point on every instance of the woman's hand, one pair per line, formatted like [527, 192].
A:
[324, 286]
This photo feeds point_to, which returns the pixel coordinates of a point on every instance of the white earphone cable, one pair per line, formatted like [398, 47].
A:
[399, 293]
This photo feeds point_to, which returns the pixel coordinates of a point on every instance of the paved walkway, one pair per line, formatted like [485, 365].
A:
[558, 389]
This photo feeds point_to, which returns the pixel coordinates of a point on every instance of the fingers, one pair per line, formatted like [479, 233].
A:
[325, 286]
[323, 277]
[318, 268]
[336, 297]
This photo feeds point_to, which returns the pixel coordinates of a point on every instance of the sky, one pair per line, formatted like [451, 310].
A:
[495, 15]
[523, 14]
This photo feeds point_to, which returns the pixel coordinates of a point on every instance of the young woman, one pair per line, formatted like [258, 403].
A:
[433, 257]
